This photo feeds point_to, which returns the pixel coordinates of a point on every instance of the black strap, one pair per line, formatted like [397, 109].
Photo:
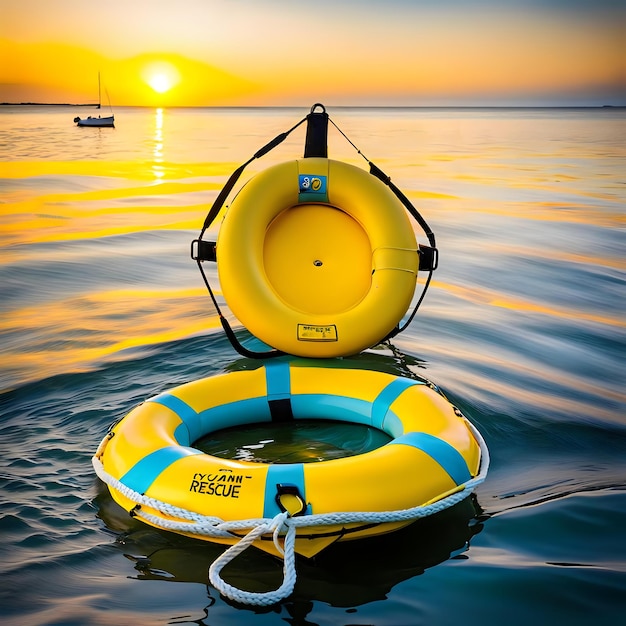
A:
[234, 177]
[230, 333]
[316, 142]
[378, 173]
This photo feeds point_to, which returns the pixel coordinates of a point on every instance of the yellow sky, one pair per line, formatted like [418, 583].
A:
[283, 52]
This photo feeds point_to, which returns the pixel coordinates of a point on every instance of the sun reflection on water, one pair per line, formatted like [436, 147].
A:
[157, 168]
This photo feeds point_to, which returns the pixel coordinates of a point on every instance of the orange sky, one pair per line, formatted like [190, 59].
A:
[283, 52]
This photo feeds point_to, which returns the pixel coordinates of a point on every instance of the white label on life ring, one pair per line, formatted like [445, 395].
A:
[308, 332]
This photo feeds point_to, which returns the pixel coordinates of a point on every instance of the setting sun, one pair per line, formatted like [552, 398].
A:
[160, 83]
[161, 76]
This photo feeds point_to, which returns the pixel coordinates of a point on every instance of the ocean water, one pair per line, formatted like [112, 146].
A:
[523, 328]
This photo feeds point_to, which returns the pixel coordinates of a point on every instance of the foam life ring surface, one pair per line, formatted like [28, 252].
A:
[317, 258]
[434, 451]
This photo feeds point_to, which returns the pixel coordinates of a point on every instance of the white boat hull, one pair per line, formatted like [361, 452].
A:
[96, 121]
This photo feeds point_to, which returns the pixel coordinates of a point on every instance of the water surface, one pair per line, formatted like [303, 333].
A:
[523, 328]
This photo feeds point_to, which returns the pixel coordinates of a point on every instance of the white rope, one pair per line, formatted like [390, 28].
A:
[289, 564]
[214, 527]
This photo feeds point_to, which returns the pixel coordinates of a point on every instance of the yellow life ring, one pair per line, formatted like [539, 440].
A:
[317, 258]
[433, 453]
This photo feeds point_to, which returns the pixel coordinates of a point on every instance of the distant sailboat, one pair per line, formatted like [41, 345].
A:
[97, 121]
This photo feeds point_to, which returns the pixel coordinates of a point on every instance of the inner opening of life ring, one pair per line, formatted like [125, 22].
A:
[318, 259]
[298, 441]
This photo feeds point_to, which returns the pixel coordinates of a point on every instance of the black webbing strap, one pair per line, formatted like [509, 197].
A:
[230, 333]
[378, 173]
[281, 410]
[234, 177]
[316, 142]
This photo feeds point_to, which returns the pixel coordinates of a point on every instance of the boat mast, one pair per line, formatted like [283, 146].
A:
[99, 99]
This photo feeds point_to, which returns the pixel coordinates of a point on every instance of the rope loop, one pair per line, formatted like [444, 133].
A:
[268, 598]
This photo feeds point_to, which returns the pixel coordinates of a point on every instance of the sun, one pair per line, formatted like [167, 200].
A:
[160, 83]
[161, 76]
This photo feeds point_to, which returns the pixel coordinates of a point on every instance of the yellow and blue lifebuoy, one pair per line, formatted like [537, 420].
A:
[433, 452]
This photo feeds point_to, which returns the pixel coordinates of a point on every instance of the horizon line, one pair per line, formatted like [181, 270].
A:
[338, 106]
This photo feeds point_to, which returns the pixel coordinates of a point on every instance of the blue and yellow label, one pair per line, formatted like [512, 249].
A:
[312, 188]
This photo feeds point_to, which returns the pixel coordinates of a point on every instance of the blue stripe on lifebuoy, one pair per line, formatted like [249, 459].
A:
[145, 472]
[380, 406]
[194, 425]
[330, 407]
[248, 411]
[292, 474]
[278, 379]
[188, 431]
[439, 450]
